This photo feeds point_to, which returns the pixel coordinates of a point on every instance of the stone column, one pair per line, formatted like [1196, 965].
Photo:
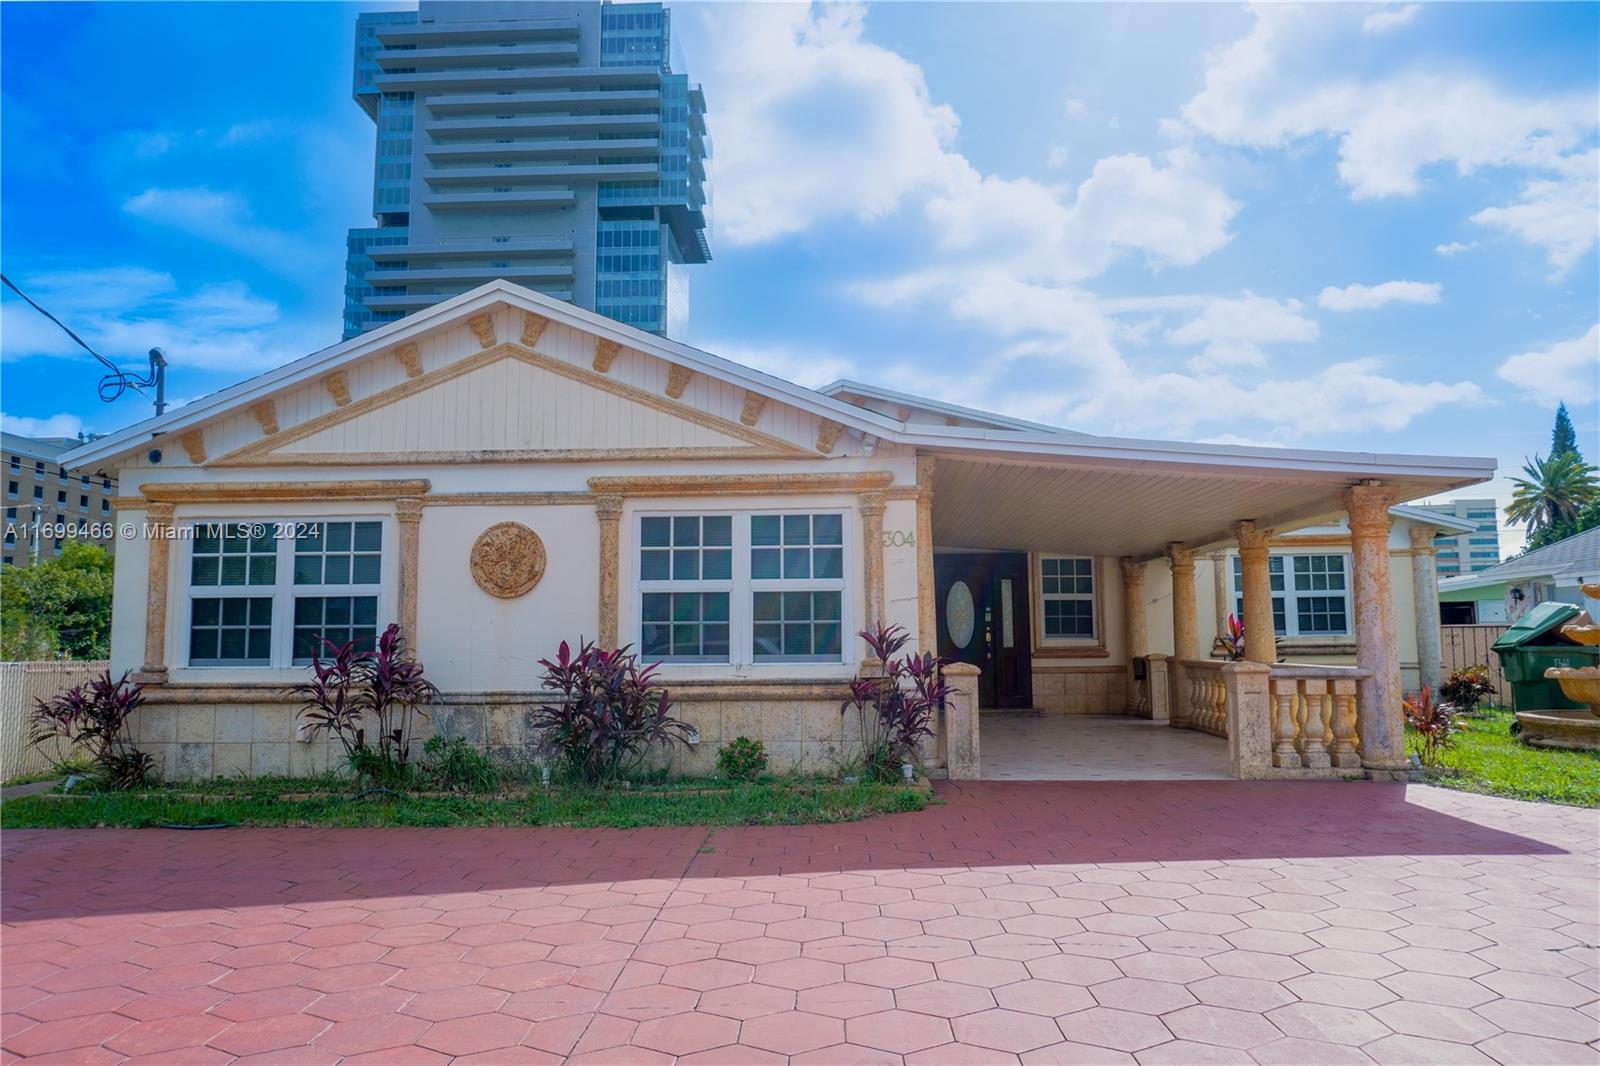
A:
[608, 509]
[1158, 676]
[1249, 703]
[1425, 596]
[961, 722]
[408, 515]
[1135, 630]
[871, 507]
[158, 518]
[1260, 642]
[1222, 588]
[1380, 720]
[1185, 621]
[927, 605]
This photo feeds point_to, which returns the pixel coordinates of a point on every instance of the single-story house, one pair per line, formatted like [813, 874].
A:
[504, 471]
[1502, 594]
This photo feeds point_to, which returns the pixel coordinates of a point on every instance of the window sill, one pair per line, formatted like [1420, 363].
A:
[1317, 645]
[1071, 651]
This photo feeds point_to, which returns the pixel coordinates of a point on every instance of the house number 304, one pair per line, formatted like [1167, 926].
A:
[898, 538]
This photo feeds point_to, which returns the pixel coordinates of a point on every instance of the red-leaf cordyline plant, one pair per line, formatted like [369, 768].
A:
[352, 685]
[1233, 639]
[1465, 688]
[93, 717]
[1433, 723]
[895, 708]
[610, 715]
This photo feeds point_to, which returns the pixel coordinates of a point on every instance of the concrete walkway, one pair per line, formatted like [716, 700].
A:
[1071, 747]
[1070, 922]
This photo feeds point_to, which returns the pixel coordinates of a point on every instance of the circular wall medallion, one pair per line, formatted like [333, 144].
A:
[959, 616]
[507, 560]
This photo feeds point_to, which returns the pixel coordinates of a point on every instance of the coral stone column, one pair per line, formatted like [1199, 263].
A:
[158, 519]
[1425, 594]
[871, 505]
[927, 609]
[1185, 621]
[1260, 643]
[1222, 589]
[608, 509]
[1135, 629]
[1379, 717]
[408, 515]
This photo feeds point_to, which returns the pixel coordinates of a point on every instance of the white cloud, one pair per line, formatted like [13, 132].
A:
[1274, 88]
[59, 425]
[222, 218]
[1390, 18]
[1075, 107]
[1565, 371]
[1232, 331]
[1367, 297]
[123, 312]
[814, 121]
[1454, 248]
[1556, 213]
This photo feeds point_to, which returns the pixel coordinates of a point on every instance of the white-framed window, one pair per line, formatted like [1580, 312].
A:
[1310, 594]
[268, 592]
[742, 588]
[1066, 597]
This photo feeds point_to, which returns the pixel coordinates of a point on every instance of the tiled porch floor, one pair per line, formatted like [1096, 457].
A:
[1021, 746]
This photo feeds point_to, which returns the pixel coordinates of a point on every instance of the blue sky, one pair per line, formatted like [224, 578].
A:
[1365, 227]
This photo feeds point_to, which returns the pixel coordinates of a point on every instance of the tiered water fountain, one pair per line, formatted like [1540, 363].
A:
[1579, 728]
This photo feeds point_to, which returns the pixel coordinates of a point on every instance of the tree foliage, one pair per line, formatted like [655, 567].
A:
[58, 607]
[1563, 438]
[1554, 492]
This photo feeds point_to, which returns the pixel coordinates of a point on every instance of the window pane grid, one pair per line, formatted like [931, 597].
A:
[1066, 585]
[231, 630]
[1318, 601]
[681, 626]
[798, 625]
[338, 553]
[233, 555]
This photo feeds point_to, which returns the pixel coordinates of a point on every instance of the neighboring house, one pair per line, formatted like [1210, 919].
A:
[49, 504]
[1504, 593]
[504, 471]
[1471, 550]
[558, 145]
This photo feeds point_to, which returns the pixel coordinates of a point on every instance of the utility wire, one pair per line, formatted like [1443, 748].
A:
[113, 384]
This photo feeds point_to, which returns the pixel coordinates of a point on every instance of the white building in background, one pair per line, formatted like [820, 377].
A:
[1468, 553]
[49, 504]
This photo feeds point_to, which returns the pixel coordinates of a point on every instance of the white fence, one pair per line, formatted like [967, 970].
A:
[20, 685]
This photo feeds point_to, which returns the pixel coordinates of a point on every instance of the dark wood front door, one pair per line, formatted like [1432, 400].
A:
[984, 620]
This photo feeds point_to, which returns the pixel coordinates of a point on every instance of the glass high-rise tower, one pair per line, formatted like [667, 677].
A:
[553, 144]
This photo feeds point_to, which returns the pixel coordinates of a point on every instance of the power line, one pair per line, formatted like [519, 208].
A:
[118, 381]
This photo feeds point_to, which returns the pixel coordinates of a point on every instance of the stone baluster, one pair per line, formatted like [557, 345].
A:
[1313, 743]
[1285, 697]
[1342, 751]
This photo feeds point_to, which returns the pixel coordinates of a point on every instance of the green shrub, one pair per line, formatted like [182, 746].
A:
[742, 759]
[454, 765]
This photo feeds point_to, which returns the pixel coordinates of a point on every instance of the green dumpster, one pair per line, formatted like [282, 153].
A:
[1531, 647]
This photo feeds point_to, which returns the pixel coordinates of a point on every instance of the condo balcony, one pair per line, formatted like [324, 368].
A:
[518, 199]
[429, 33]
[427, 81]
[529, 273]
[557, 100]
[547, 149]
[491, 125]
[444, 177]
[473, 248]
[409, 302]
[473, 56]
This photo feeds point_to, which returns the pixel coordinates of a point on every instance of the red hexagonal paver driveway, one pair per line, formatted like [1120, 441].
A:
[1051, 922]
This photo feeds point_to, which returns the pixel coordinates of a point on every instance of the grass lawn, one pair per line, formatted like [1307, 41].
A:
[283, 802]
[1487, 758]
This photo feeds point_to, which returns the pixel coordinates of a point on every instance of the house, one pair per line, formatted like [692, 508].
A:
[1501, 594]
[503, 471]
[47, 507]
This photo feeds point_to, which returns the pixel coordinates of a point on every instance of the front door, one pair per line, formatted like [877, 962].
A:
[984, 620]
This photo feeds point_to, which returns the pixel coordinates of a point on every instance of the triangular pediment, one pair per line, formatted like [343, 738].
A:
[507, 403]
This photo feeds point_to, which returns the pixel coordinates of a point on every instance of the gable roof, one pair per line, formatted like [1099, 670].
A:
[1576, 557]
[852, 391]
[997, 438]
[1445, 523]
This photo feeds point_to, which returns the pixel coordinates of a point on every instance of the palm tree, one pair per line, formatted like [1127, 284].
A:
[1553, 493]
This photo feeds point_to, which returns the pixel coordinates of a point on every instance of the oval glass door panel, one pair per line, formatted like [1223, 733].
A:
[959, 616]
